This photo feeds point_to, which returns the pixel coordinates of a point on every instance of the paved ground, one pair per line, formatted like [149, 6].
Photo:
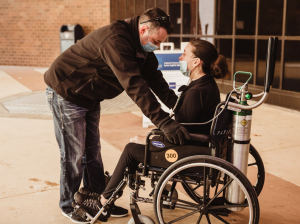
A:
[29, 161]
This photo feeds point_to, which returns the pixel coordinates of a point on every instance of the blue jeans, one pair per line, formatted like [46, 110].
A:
[78, 136]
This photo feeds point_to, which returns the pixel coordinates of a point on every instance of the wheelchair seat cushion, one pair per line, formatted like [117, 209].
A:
[163, 153]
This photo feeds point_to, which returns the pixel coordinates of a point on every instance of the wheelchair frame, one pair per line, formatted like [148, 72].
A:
[215, 171]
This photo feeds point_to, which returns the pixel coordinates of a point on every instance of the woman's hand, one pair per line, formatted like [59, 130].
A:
[138, 139]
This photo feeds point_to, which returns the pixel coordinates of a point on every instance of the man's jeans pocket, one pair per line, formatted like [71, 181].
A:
[49, 98]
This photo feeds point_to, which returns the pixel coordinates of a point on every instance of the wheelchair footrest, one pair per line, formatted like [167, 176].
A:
[80, 211]
[88, 213]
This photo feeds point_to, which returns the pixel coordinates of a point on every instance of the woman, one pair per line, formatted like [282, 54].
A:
[197, 103]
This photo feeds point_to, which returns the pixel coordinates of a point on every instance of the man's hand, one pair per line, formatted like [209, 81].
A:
[174, 131]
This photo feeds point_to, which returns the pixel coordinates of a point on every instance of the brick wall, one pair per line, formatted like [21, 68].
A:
[29, 29]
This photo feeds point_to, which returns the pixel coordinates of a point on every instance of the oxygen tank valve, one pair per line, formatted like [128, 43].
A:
[249, 96]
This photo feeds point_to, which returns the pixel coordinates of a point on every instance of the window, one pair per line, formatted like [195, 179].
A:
[245, 17]
[224, 17]
[293, 18]
[291, 78]
[224, 47]
[238, 28]
[244, 59]
[139, 7]
[130, 9]
[270, 17]
[175, 15]
[122, 9]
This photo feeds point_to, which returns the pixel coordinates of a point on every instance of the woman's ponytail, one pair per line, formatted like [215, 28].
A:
[219, 68]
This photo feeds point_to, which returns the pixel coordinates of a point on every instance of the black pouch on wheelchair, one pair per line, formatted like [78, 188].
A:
[220, 132]
[163, 153]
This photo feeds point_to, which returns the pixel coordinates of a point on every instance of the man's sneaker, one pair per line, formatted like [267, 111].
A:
[86, 192]
[74, 217]
[91, 205]
[118, 212]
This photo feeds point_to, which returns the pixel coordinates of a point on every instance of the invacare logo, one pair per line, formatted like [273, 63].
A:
[158, 144]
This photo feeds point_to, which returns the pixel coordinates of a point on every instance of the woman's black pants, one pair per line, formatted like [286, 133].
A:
[134, 154]
[131, 157]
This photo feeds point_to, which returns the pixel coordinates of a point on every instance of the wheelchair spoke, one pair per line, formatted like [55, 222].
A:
[200, 217]
[190, 190]
[204, 185]
[217, 186]
[218, 217]
[182, 206]
[220, 191]
[207, 218]
[182, 217]
[227, 206]
[252, 164]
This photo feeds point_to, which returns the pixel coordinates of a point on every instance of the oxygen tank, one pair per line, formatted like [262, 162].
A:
[241, 129]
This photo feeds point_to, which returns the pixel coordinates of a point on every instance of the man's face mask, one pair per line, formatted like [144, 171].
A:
[183, 67]
[149, 47]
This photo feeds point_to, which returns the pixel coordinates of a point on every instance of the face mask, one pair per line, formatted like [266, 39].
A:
[183, 67]
[149, 47]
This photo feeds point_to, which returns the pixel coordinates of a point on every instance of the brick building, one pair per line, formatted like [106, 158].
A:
[29, 33]
[29, 29]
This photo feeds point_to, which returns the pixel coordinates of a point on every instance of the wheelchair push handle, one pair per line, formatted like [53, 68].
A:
[270, 67]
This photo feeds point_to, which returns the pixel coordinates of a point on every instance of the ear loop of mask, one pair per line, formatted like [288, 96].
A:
[190, 80]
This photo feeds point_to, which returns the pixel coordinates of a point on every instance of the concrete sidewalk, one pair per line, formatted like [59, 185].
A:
[29, 161]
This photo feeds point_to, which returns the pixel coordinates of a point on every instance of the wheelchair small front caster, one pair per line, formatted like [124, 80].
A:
[143, 220]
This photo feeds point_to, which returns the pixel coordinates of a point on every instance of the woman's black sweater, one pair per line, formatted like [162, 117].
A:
[197, 104]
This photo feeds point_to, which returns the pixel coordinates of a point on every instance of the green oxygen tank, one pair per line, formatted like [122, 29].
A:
[241, 129]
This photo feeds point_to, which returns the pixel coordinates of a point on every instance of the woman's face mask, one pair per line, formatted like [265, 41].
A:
[183, 67]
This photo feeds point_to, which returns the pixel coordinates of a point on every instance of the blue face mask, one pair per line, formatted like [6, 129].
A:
[183, 67]
[149, 47]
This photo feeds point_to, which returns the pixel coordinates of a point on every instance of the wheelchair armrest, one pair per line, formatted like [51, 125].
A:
[195, 137]
[157, 132]
[201, 137]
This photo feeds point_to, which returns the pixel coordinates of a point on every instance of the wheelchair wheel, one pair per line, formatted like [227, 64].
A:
[259, 169]
[213, 207]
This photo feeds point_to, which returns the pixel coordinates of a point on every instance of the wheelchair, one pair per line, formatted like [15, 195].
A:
[209, 187]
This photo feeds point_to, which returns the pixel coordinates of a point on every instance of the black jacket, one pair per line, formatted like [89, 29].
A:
[197, 103]
[104, 64]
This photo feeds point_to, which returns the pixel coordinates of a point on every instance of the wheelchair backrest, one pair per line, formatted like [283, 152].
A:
[221, 129]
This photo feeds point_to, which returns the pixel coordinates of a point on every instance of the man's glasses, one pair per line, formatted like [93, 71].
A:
[161, 19]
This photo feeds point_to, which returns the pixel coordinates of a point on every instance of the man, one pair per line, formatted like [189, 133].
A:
[101, 66]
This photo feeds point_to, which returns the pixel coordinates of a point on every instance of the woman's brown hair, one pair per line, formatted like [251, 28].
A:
[212, 62]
